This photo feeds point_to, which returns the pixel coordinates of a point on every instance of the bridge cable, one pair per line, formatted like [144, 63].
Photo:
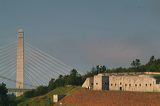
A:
[40, 64]
[47, 60]
[50, 57]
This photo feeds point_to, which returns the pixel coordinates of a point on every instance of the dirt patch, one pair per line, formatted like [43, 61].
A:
[111, 98]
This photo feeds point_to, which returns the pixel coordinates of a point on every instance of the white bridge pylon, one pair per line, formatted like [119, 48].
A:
[20, 62]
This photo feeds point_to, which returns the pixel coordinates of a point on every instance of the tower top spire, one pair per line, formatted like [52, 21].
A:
[20, 33]
[20, 30]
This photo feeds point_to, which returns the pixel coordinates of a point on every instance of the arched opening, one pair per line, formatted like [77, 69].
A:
[120, 88]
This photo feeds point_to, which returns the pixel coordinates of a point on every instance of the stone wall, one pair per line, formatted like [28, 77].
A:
[132, 83]
[97, 85]
[156, 88]
[152, 73]
[88, 83]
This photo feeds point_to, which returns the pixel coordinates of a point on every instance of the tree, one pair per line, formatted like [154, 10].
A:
[103, 69]
[74, 78]
[60, 81]
[12, 99]
[29, 94]
[136, 63]
[98, 68]
[41, 90]
[152, 60]
[51, 85]
[3, 95]
[91, 73]
[158, 61]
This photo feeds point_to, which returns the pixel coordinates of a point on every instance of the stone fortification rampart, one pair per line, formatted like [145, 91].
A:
[142, 83]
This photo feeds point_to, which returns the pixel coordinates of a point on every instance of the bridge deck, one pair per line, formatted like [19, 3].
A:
[18, 90]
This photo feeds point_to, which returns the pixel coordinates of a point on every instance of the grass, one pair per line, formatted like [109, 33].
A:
[156, 77]
[46, 100]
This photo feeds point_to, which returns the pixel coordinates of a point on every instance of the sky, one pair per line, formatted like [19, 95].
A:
[85, 33]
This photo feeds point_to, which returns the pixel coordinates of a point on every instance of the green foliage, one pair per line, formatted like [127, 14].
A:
[3, 95]
[41, 90]
[156, 77]
[95, 71]
[6, 100]
[153, 65]
[29, 94]
[12, 100]
[73, 79]
[101, 69]
[51, 85]
[91, 73]
[136, 63]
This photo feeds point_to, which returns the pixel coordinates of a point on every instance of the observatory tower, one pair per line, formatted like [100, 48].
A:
[20, 62]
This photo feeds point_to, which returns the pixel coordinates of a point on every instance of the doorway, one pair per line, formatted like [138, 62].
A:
[120, 88]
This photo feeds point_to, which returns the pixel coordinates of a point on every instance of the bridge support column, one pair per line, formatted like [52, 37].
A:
[20, 63]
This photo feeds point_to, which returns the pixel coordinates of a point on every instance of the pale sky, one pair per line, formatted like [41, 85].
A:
[84, 33]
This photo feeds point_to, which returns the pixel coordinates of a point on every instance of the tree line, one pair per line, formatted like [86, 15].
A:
[153, 65]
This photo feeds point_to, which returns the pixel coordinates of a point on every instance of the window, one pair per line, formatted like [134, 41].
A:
[120, 83]
[105, 83]
[91, 83]
[135, 84]
[96, 83]
[139, 84]
[150, 84]
[125, 84]
[146, 84]
[129, 84]
[111, 84]
[115, 84]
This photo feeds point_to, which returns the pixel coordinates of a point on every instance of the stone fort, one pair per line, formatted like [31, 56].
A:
[142, 83]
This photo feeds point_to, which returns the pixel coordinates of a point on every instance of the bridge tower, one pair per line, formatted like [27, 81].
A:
[20, 62]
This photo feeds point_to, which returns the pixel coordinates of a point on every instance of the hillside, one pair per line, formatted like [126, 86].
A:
[46, 100]
[77, 96]
[110, 98]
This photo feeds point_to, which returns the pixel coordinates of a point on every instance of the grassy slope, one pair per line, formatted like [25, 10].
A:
[46, 100]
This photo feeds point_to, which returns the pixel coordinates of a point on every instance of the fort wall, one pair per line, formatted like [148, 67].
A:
[132, 83]
[142, 83]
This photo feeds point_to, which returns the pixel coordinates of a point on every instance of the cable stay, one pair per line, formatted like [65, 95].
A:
[5, 47]
[42, 64]
[33, 78]
[37, 73]
[47, 55]
[48, 61]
